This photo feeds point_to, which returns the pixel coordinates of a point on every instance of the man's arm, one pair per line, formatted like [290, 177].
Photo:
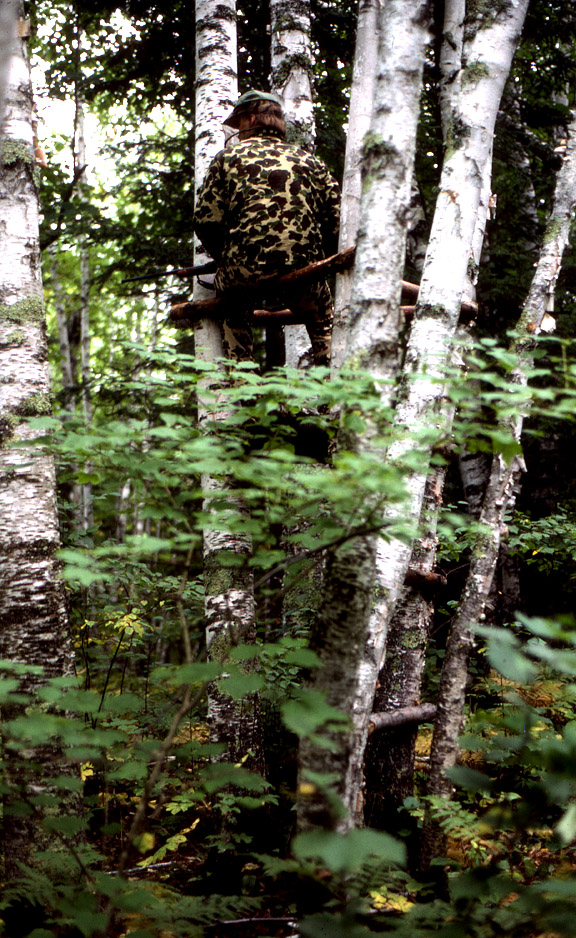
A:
[330, 214]
[209, 215]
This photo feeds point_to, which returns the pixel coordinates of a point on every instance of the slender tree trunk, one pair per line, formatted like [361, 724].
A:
[68, 379]
[8, 20]
[80, 161]
[488, 52]
[229, 591]
[390, 755]
[34, 626]
[361, 99]
[390, 760]
[350, 637]
[499, 492]
[451, 61]
[291, 59]
[216, 94]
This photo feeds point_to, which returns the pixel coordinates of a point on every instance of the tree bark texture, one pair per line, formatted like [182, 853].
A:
[361, 98]
[499, 493]
[351, 631]
[389, 760]
[216, 94]
[8, 19]
[229, 591]
[291, 59]
[488, 53]
[33, 618]
[450, 64]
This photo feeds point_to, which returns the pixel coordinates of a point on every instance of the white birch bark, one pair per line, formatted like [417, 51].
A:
[34, 627]
[229, 592]
[80, 162]
[361, 100]
[488, 54]
[291, 60]
[451, 60]
[499, 492]
[8, 18]
[351, 652]
[216, 94]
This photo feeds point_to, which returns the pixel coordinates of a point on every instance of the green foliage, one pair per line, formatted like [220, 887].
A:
[134, 576]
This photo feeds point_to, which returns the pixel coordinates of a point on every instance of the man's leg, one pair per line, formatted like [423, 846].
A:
[315, 304]
[237, 336]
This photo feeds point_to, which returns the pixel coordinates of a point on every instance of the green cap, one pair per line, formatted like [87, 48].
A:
[243, 103]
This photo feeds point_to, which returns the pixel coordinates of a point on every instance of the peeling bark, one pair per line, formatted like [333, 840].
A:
[351, 631]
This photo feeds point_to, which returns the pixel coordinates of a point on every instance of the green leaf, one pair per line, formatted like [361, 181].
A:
[238, 684]
[470, 779]
[310, 712]
[345, 853]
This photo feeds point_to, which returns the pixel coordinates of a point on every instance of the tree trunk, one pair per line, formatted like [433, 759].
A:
[390, 760]
[32, 603]
[488, 52]
[291, 59]
[361, 98]
[80, 161]
[350, 636]
[229, 591]
[8, 20]
[503, 477]
[390, 756]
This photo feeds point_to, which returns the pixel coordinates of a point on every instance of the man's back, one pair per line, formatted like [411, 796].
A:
[266, 207]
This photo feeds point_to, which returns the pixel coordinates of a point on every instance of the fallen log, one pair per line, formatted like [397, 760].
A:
[393, 718]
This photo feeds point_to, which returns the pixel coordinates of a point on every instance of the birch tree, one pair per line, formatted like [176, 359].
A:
[499, 496]
[8, 18]
[32, 604]
[291, 59]
[229, 591]
[351, 653]
[361, 98]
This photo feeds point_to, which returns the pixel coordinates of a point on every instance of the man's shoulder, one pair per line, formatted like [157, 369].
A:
[256, 148]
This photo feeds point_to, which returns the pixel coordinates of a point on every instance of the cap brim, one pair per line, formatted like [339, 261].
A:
[232, 121]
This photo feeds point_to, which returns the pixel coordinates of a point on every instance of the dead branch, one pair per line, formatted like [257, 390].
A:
[393, 718]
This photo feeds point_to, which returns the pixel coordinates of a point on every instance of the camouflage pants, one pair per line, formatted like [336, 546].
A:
[313, 301]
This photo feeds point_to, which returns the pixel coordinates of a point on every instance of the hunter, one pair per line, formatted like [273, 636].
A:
[265, 208]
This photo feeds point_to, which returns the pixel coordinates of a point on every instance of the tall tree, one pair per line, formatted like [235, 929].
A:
[350, 637]
[33, 614]
[8, 18]
[291, 58]
[229, 590]
[499, 495]
[361, 98]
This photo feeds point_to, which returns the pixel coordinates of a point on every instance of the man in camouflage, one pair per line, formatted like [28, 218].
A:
[267, 207]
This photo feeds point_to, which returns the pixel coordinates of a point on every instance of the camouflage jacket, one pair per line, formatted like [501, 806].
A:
[266, 207]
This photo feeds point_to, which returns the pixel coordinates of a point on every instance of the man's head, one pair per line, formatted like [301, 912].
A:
[257, 109]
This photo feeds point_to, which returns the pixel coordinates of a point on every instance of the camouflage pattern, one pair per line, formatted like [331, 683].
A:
[267, 207]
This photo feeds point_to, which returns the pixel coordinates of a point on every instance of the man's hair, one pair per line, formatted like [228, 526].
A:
[268, 114]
